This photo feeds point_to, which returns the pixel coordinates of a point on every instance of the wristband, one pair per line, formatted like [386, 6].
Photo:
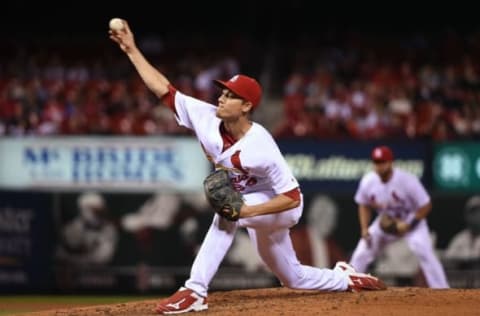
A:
[414, 223]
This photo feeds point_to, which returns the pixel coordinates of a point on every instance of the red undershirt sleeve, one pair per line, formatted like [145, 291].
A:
[293, 194]
[169, 98]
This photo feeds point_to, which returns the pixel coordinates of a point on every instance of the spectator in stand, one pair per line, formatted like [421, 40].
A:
[347, 94]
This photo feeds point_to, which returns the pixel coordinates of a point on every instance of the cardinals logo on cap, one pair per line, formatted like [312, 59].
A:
[377, 153]
[382, 153]
[243, 86]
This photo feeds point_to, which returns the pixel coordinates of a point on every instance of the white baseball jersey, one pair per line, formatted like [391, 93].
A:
[259, 171]
[400, 197]
[255, 162]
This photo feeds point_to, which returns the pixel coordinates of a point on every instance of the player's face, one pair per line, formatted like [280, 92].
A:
[383, 169]
[230, 105]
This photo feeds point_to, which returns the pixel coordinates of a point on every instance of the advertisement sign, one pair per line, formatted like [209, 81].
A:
[26, 241]
[117, 242]
[107, 163]
[456, 166]
[66, 242]
[338, 166]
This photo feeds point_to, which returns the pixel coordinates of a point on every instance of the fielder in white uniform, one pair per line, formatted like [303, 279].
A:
[273, 201]
[401, 195]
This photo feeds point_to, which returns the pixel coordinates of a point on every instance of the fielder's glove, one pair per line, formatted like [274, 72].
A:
[388, 224]
[222, 196]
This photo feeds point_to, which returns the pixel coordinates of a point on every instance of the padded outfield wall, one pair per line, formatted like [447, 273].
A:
[152, 190]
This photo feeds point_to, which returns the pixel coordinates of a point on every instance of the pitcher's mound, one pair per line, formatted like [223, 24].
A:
[281, 301]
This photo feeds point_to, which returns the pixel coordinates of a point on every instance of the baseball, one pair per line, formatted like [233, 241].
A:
[116, 24]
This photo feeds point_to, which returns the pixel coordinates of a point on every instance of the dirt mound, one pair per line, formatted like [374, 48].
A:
[280, 301]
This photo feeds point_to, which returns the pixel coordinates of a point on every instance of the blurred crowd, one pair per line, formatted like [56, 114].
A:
[333, 85]
[72, 89]
[360, 87]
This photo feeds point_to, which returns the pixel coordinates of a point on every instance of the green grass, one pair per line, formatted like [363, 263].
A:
[16, 304]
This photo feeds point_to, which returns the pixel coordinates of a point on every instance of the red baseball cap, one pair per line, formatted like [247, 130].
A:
[243, 86]
[382, 153]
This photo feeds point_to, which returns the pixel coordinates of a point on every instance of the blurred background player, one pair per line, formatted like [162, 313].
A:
[400, 194]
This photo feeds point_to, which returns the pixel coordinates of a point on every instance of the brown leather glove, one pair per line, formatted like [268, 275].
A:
[222, 196]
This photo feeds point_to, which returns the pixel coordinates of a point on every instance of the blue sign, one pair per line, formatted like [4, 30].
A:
[106, 163]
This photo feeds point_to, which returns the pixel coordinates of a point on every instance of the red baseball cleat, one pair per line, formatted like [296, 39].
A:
[360, 281]
[183, 301]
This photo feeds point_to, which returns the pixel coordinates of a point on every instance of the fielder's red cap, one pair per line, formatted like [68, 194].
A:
[382, 153]
[243, 86]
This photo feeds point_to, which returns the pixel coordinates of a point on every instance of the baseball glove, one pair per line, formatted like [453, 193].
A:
[388, 224]
[222, 196]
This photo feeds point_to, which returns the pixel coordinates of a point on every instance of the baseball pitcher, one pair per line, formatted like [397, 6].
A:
[252, 187]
